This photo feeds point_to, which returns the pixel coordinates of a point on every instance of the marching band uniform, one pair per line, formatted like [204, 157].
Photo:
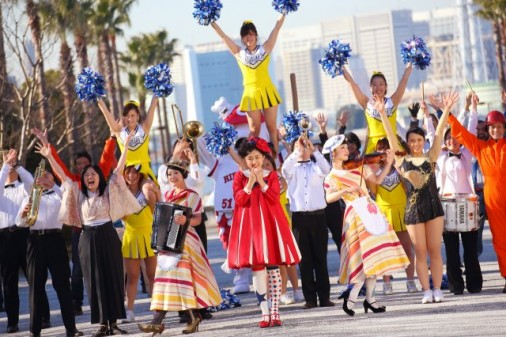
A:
[309, 224]
[259, 91]
[13, 243]
[47, 250]
[454, 177]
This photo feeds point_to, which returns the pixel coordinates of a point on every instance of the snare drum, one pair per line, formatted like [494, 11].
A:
[167, 235]
[461, 212]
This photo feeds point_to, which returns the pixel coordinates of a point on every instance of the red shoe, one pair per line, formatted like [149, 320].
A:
[275, 321]
[265, 322]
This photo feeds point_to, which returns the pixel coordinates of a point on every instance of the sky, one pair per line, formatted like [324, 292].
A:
[176, 15]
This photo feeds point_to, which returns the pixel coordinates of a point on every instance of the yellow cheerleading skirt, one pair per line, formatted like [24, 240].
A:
[395, 215]
[136, 243]
[257, 97]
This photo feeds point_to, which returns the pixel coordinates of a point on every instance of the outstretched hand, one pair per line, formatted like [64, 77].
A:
[413, 109]
[322, 120]
[450, 99]
[44, 150]
[436, 102]
[343, 118]
[10, 157]
[42, 136]
[379, 104]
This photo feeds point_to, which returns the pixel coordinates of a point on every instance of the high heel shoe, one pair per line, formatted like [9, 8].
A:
[265, 322]
[368, 306]
[349, 312]
[275, 321]
[101, 332]
[149, 327]
[193, 324]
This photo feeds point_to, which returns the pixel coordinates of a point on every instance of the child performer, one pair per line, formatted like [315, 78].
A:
[183, 281]
[260, 237]
[424, 212]
[369, 246]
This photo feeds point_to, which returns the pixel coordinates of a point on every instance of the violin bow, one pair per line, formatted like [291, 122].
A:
[361, 175]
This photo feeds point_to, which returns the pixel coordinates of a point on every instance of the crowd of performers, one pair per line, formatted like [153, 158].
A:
[275, 204]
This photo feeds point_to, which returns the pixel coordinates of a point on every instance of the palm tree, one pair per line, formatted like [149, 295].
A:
[495, 11]
[3, 80]
[32, 10]
[58, 14]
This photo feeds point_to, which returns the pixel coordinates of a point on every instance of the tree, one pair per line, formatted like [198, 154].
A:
[32, 10]
[495, 11]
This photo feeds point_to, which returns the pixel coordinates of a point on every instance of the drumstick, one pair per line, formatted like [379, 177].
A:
[423, 93]
[470, 87]
[295, 97]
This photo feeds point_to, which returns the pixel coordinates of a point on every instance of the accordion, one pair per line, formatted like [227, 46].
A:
[167, 235]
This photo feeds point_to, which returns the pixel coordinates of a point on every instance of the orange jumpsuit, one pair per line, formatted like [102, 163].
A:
[491, 156]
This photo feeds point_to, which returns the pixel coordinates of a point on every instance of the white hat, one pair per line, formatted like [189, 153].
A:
[222, 107]
[332, 143]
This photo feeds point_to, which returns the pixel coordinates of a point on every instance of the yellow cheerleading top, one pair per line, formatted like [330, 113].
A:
[138, 150]
[259, 91]
[375, 129]
[391, 199]
[136, 243]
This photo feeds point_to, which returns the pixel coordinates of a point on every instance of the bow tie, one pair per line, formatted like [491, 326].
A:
[10, 185]
[47, 192]
[458, 155]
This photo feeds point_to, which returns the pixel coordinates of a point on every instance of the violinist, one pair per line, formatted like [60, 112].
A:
[365, 229]
[424, 211]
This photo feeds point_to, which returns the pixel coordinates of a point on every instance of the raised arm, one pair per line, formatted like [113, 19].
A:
[379, 105]
[378, 179]
[150, 116]
[271, 40]
[109, 118]
[449, 101]
[232, 46]
[108, 159]
[361, 98]
[122, 160]
[42, 136]
[397, 95]
[239, 161]
[46, 152]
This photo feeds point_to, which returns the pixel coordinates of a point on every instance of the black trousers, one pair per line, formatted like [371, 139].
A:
[45, 252]
[310, 231]
[474, 278]
[77, 283]
[12, 258]
[335, 214]
[202, 231]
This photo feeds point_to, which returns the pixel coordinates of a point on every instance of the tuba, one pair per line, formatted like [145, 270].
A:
[191, 129]
[36, 194]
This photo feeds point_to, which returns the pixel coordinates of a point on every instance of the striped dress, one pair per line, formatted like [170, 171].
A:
[363, 254]
[191, 285]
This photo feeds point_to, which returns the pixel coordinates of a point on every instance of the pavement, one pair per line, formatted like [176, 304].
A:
[482, 314]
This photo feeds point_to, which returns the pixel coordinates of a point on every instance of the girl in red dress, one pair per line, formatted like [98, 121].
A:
[260, 237]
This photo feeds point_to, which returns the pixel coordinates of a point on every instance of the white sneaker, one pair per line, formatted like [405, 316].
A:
[298, 296]
[287, 298]
[387, 288]
[427, 297]
[130, 317]
[438, 296]
[411, 286]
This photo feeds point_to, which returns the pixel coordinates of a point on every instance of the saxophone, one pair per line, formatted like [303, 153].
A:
[36, 194]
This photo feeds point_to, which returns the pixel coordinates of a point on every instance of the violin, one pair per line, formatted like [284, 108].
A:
[368, 159]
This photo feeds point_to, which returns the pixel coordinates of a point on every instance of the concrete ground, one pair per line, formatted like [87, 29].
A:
[482, 314]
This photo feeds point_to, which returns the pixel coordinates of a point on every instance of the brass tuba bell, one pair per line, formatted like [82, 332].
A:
[191, 129]
[36, 194]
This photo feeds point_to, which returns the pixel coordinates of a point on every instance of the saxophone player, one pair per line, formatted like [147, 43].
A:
[15, 184]
[47, 251]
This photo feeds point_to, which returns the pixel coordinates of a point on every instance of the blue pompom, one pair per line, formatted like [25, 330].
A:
[220, 138]
[415, 51]
[228, 301]
[157, 79]
[335, 57]
[90, 85]
[207, 11]
[285, 6]
[291, 123]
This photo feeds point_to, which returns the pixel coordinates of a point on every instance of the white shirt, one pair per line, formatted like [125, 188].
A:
[194, 181]
[454, 174]
[47, 218]
[305, 182]
[12, 197]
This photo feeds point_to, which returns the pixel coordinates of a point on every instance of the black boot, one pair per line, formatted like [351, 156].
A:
[114, 329]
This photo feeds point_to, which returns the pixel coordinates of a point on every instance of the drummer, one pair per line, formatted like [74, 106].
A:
[454, 167]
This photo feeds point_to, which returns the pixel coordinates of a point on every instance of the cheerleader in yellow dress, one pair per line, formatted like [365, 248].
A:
[378, 85]
[139, 145]
[136, 243]
[259, 94]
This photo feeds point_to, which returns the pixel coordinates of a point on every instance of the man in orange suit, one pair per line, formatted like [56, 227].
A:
[491, 156]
